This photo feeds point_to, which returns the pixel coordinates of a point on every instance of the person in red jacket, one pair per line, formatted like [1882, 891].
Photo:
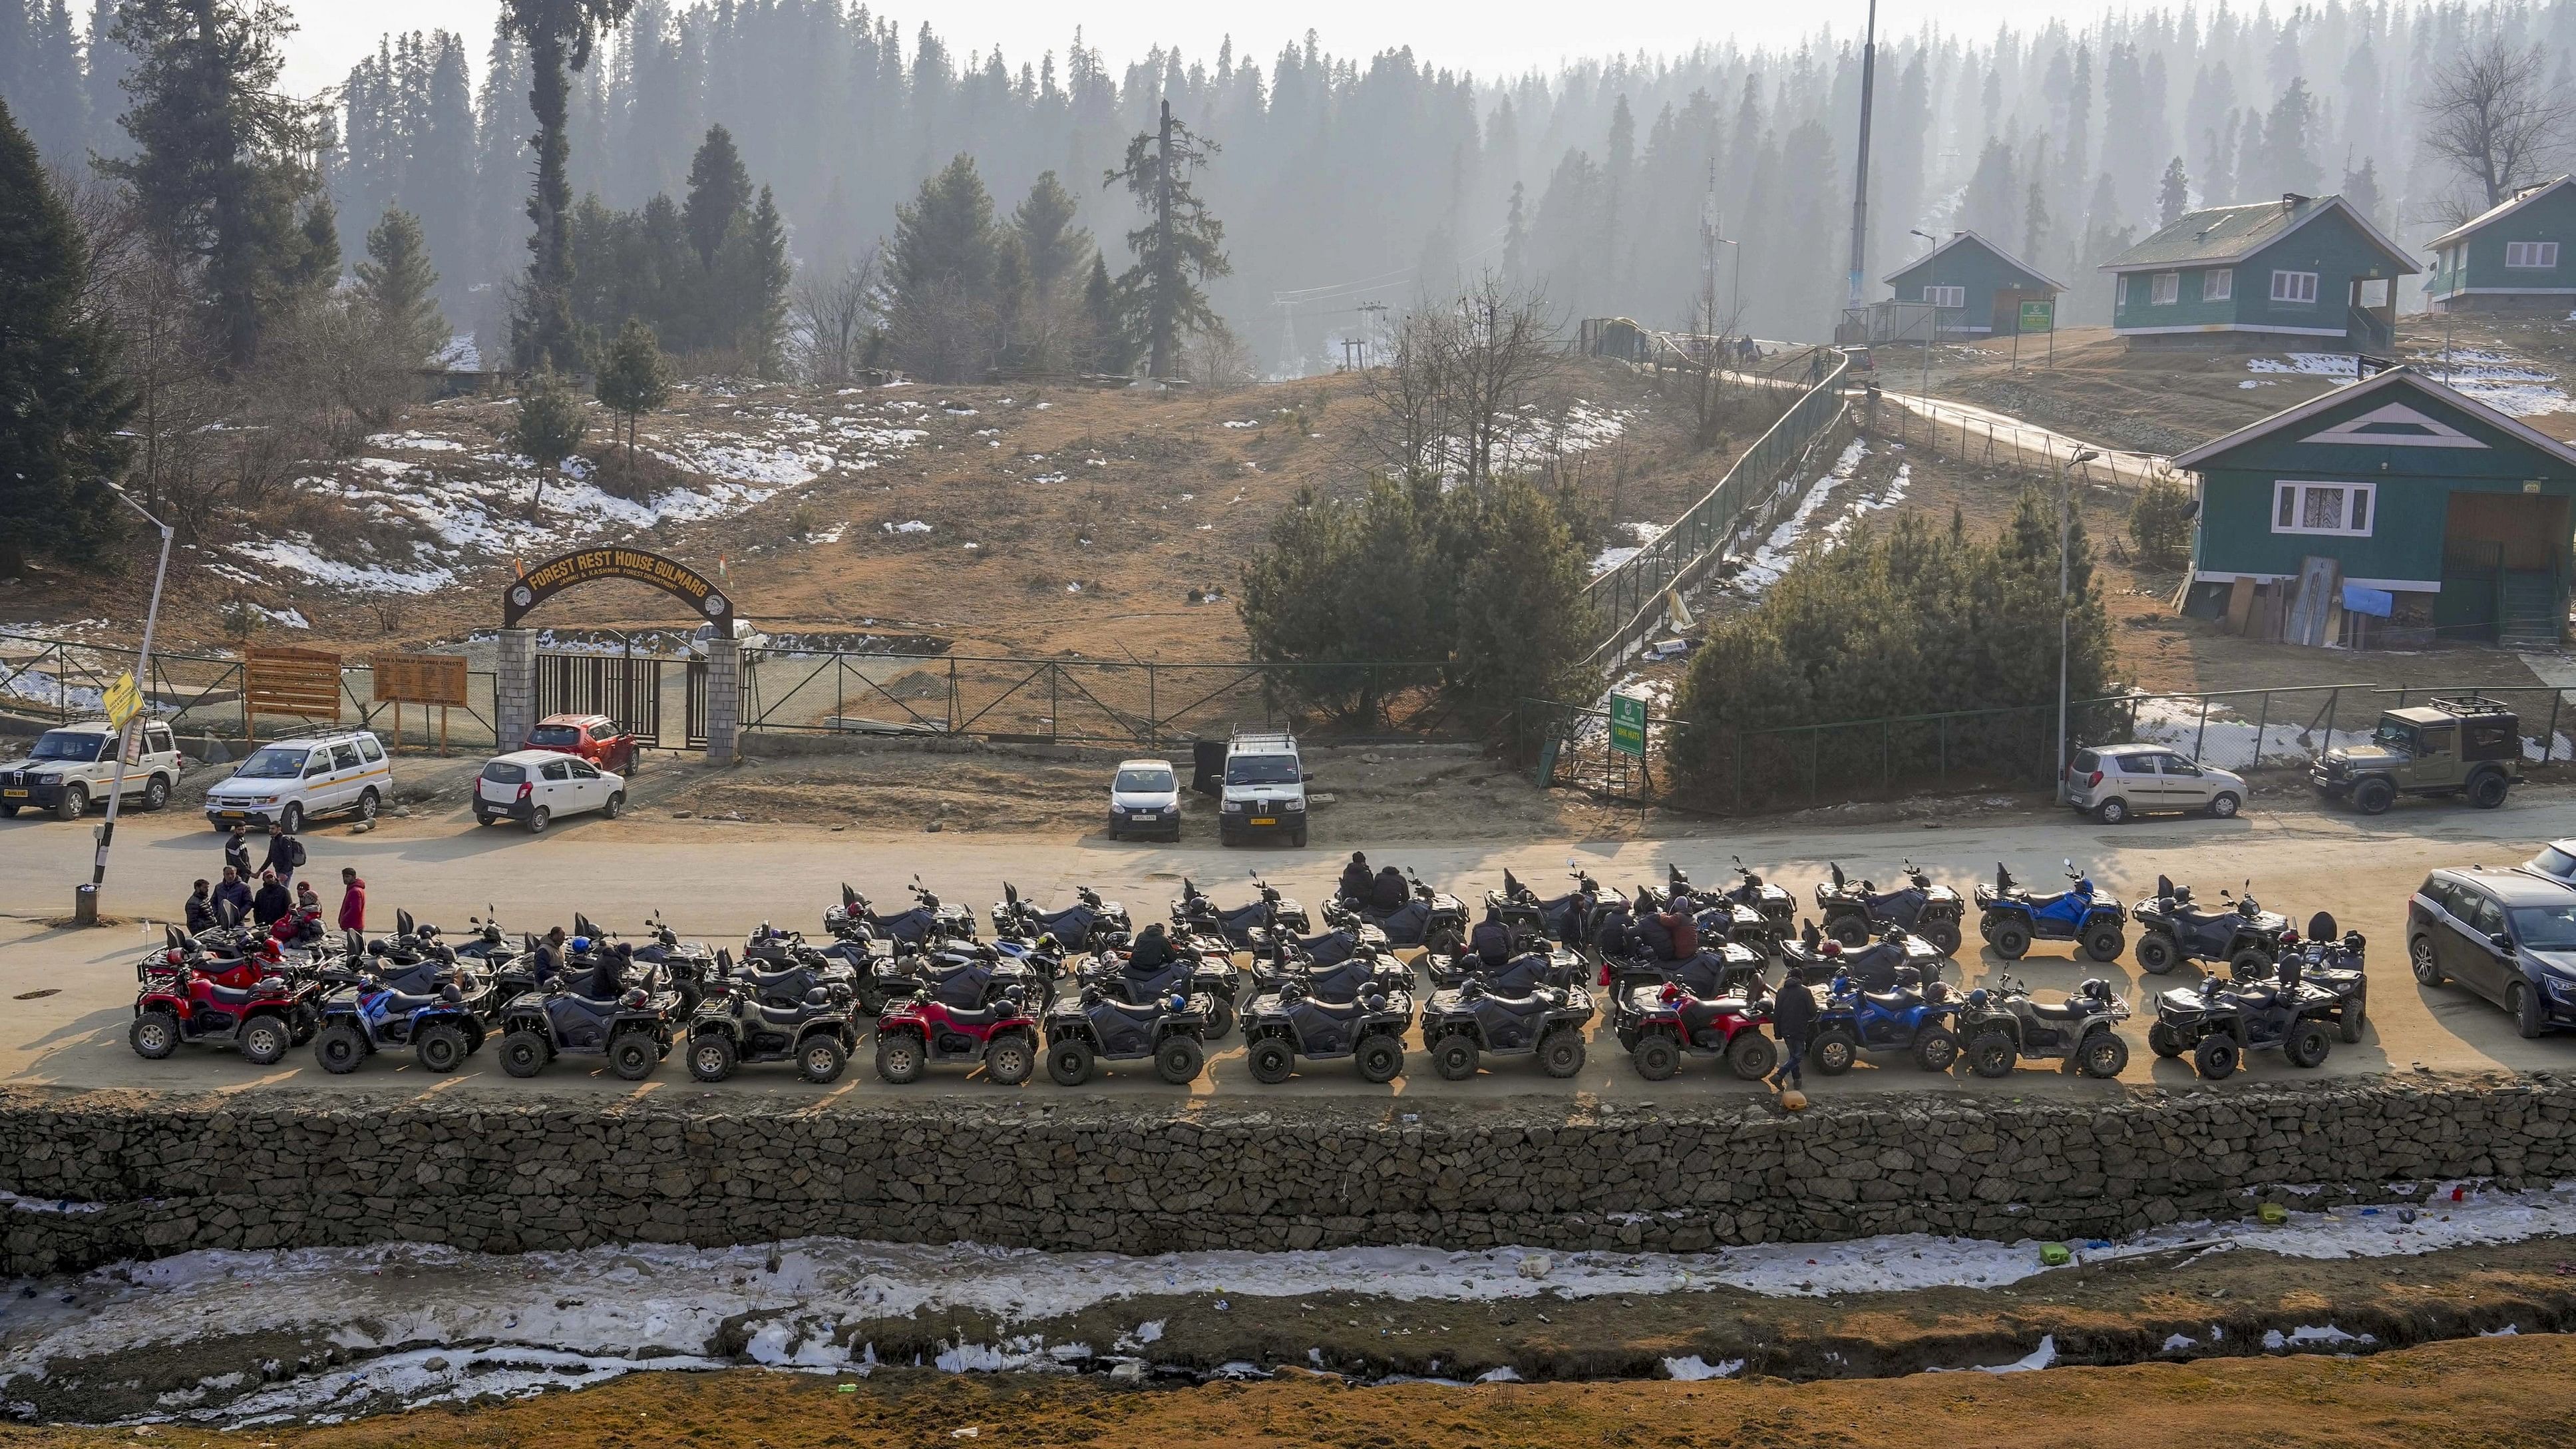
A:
[353, 900]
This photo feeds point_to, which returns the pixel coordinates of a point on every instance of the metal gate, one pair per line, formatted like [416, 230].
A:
[624, 687]
[697, 706]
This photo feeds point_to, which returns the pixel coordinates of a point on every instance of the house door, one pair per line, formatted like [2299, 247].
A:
[2501, 568]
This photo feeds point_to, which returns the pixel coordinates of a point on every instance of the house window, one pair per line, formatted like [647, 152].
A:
[2219, 285]
[2294, 286]
[2164, 288]
[2334, 508]
[1946, 296]
[2530, 255]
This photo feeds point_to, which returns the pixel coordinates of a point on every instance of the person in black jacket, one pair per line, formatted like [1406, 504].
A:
[272, 903]
[1793, 1020]
[285, 853]
[237, 850]
[201, 909]
[1389, 892]
[1355, 879]
[607, 978]
[232, 897]
[1491, 941]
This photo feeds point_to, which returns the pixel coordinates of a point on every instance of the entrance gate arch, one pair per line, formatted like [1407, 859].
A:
[515, 673]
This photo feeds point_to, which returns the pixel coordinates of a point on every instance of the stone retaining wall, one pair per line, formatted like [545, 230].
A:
[101, 1177]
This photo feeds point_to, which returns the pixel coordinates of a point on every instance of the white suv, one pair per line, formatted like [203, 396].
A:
[74, 767]
[284, 784]
[1265, 788]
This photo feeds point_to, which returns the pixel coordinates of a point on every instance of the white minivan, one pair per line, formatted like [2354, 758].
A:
[535, 786]
[286, 783]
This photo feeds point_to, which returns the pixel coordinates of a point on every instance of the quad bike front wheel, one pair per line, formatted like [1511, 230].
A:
[1656, 1057]
[1936, 1049]
[1833, 1051]
[634, 1055]
[1271, 1062]
[2216, 1057]
[2011, 940]
[2163, 1040]
[1993, 1054]
[340, 1049]
[1380, 1059]
[2103, 1055]
[1009, 1060]
[900, 1058]
[2156, 953]
[1751, 1056]
[265, 1040]
[1179, 1060]
[1560, 1052]
[822, 1058]
[2250, 964]
[154, 1035]
[711, 1057]
[1455, 1057]
[523, 1053]
[2308, 1045]
[440, 1047]
[2356, 1019]
[1220, 1017]
[1069, 1063]
[2105, 942]
[1944, 936]
[1851, 930]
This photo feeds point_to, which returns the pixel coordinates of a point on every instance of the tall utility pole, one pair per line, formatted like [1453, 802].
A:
[1860, 174]
[1166, 285]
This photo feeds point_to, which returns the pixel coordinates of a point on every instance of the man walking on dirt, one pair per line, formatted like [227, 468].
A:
[1793, 1020]
[353, 900]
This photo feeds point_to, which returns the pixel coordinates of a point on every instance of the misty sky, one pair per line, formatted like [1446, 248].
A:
[1488, 36]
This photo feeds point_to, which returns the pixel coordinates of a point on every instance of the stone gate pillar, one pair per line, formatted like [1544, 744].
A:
[514, 688]
[724, 698]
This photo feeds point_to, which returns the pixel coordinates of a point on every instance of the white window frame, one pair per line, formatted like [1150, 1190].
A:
[2289, 495]
[2290, 287]
[2164, 289]
[2537, 256]
[2218, 284]
[1946, 296]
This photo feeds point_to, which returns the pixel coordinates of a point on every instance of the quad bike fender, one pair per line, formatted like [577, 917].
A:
[723, 1026]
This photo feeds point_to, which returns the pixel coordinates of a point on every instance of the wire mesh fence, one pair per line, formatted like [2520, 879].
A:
[53, 681]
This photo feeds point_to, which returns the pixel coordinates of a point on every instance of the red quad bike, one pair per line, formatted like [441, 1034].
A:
[1658, 1024]
[263, 1016]
[914, 1034]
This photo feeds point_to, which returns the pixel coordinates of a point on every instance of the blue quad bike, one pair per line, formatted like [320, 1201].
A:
[1851, 1021]
[358, 1021]
[2010, 917]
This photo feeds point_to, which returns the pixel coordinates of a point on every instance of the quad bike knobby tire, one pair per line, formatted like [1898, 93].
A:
[1179, 1060]
[2356, 1018]
[1936, 1049]
[1992, 1054]
[2011, 940]
[265, 1039]
[2104, 942]
[2250, 964]
[711, 1056]
[154, 1035]
[440, 1047]
[1220, 1017]
[1455, 1057]
[822, 1058]
[1944, 936]
[1655, 1057]
[1380, 1059]
[2216, 1057]
[2309, 1044]
[1833, 1051]
[634, 1055]
[2156, 953]
[1009, 1060]
[899, 1057]
[1270, 1061]
[1560, 1052]
[2162, 1040]
[1751, 1056]
[2103, 1055]
[524, 1053]
[340, 1048]
[1069, 1063]
[1850, 929]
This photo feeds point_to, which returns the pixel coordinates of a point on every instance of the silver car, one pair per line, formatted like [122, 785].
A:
[2113, 782]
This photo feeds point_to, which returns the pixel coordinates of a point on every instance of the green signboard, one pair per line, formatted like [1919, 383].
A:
[1628, 725]
[2039, 316]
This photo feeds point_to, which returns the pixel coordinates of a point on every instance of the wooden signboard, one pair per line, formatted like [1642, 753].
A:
[301, 682]
[420, 679]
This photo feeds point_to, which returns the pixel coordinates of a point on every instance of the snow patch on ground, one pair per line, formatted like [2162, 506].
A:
[1693, 1369]
[2308, 364]
[296, 556]
[1617, 554]
[2514, 386]
[1773, 558]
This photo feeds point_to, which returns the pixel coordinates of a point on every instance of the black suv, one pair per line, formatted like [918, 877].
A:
[2505, 933]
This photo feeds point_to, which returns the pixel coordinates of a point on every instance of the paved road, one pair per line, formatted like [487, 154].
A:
[715, 879]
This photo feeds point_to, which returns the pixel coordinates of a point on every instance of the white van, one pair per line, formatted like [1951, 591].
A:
[284, 784]
[72, 768]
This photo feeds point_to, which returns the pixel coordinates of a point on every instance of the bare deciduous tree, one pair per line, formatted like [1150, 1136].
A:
[2493, 116]
[1450, 400]
[834, 319]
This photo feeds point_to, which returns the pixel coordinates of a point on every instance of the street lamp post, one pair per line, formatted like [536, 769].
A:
[142, 678]
[1931, 289]
[2065, 547]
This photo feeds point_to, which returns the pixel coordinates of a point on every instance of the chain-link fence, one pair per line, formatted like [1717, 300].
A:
[53, 681]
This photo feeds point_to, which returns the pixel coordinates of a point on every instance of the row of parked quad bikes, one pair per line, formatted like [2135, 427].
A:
[1687, 973]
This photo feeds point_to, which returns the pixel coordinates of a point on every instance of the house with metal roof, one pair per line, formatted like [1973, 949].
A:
[1975, 287]
[2519, 253]
[2452, 517]
[2304, 271]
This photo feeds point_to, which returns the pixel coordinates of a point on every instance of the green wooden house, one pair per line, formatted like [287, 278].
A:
[1975, 287]
[2456, 510]
[2302, 272]
[2518, 254]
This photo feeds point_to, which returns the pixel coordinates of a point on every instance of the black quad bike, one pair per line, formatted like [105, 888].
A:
[1280, 1027]
[963, 975]
[928, 920]
[1089, 924]
[781, 978]
[2004, 1023]
[1435, 919]
[661, 963]
[1210, 982]
[1566, 919]
[1197, 913]
[1518, 974]
[633, 1032]
[739, 1024]
[1348, 979]
[1853, 913]
[2334, 963]
[1720, 917]
[1462, 1026]
[1095, 1026]
[1773, 901]
[2217, 1024]
[2173, 929]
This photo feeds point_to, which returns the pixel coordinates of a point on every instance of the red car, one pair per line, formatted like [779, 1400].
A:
[594, 737]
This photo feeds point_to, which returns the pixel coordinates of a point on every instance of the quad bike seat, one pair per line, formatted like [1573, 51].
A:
[404, 1003]
[228, 995]
[2194, 916]
[999, 1011]
[1338, 1010]
[1145, 1011]
[586, 1005]
[779, 1015]
[1892, 1000]
[2072, 1009]
[1531, 1005]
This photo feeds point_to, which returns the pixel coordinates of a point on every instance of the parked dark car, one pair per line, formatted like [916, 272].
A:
[2506, 934]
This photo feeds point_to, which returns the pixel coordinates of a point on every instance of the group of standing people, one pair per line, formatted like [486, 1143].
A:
[272, 899]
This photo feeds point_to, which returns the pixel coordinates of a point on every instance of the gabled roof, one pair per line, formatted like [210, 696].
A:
[2218, 235]
[1957, 237]
[2395, 379]
[2498, 212]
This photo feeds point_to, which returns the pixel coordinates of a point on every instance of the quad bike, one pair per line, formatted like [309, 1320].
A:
[2172, 930]
[2218, 1024]
[261, 1018]
[1850, 1021]
[1429, 918]
[2334, 963]
[661, 964]
[1853, 913]
[2011, 918]
[1370, 969]
[1719, 916]
[1094, 1027]
[1773, 901]
[359, 1021]
[1331, 948]
[780, 971]
[2003, 1024]
[739, 1023]
[633, 1032]
[915, 1035]
[1725, 969]
[684, 960]
[1566, 919]
[1280, 1027]
[928, 920]
[1089, 924]
[1210, 984]
[963, 975]
[1197, 913]
[1464, 1025]
[1659, 1025]
[1519, 974]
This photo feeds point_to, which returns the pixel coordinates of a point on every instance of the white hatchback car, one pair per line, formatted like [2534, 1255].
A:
[534, 787]
[1145, 799]
[2113, 782]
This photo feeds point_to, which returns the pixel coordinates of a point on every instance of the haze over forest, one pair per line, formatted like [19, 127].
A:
[1346, 179]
